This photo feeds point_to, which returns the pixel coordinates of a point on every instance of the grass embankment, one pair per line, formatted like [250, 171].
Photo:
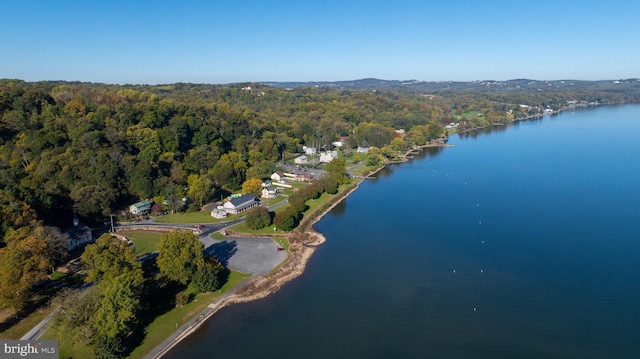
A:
[15, 330]
[14, 325]
[166, 324]
[190, 217]
[145, 242]
[162, 326]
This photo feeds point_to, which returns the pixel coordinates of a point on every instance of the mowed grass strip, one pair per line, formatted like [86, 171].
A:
[191, 217]
[165, 325]
[144, 241]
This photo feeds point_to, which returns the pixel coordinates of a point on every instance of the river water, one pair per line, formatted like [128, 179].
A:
[519, 242]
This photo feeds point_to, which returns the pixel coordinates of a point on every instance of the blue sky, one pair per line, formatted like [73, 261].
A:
[215, 41]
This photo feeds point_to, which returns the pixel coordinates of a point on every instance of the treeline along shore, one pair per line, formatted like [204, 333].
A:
[85, 152]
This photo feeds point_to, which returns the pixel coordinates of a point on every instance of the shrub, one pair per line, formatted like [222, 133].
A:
[181, 299]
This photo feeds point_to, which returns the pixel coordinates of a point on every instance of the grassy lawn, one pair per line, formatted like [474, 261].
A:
[273, 201]
[464, 115]
[242, 228]
[163, 326]
[21, 328]
[145, 242]
[282, 242]
[193, 217]
[312, 205]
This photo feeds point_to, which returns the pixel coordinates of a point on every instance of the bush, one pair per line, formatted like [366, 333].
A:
[181, 299]
[192, 208]
[258, 217]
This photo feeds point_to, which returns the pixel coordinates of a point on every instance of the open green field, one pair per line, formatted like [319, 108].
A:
[163, 326]
[242, 227]
[192, 217]
[464, 115]
[272, 201]
[144, 241]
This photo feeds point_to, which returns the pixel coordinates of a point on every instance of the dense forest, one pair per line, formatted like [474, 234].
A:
[90, 149]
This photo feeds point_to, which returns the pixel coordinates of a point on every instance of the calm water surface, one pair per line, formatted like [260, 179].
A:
[520, 242]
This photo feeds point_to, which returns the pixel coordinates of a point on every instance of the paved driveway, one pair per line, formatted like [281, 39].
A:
[253, 255]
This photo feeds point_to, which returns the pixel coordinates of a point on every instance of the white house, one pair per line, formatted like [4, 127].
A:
[301, 160]
[362, 149]
[242, 203]
[141, 207]
[269, 192]
[79, 234]
[309, 150]
[218, 213]
[326, 157]
[277, 176]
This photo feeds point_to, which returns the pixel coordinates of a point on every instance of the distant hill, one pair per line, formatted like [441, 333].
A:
[488, 85]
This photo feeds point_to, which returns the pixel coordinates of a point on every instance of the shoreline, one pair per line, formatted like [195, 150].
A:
[303, 242]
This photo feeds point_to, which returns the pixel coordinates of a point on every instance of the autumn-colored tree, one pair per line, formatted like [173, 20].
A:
[252, 186]
[23, 263]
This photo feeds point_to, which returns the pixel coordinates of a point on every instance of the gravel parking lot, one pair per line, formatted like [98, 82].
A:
[253, 255]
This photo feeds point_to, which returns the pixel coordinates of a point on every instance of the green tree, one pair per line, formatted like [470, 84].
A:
[337, 170]
[180, 255]
[374, 157]
[14, 213]
[120, 304]
[330, 185]
[174, 200]
[297, 201]
[258, 217]
[73, 319]
[105, 347]
[200, 188]
[286, 219]
[108, 258]
[208, 277]
[435, 130]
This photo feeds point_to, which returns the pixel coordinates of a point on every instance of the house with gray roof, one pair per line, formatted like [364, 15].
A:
[239, 204]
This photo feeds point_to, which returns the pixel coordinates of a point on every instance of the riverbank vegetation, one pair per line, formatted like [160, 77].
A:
[112, 315]
[91, 150]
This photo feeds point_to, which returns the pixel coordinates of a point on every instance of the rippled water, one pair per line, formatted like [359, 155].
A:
[520, 242]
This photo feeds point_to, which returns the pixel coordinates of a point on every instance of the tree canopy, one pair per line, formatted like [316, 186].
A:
[180, 255]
